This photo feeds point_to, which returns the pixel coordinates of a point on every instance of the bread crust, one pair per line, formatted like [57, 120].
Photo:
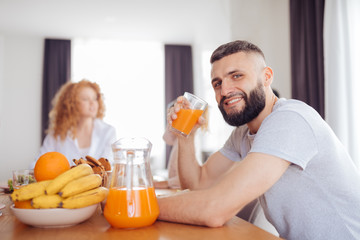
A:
[105, 163]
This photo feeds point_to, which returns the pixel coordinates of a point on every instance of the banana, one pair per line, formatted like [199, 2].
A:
[86, 198]
[46, 201]
[81, 185]
[30, 191]
[60, 181]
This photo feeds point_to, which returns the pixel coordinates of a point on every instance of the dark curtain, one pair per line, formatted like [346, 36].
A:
[306, 22]
[178, 75]
[57, 71]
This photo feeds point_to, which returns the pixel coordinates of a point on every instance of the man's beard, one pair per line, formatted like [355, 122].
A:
[254, 104]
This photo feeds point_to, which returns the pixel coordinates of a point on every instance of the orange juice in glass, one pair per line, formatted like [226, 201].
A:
[188, 116]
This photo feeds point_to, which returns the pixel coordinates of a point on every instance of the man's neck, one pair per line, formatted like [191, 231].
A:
[255, 124]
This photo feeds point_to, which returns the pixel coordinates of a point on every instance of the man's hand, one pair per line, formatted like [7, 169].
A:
[182, 103]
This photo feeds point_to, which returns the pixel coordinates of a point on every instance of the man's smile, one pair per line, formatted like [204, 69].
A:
[233, 101]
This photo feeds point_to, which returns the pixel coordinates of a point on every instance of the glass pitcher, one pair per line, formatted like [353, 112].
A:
[131, 202]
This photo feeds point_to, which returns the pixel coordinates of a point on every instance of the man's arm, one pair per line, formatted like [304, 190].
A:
[194, 176]
[214, 206]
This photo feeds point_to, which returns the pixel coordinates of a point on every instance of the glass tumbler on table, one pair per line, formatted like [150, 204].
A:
[22, 177]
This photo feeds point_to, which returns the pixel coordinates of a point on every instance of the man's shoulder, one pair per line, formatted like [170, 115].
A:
[294, 106]
[284, 103]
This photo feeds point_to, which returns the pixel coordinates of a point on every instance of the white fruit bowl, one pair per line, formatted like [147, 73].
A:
[54, 217]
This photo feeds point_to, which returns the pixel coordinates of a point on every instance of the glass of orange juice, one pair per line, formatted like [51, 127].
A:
[189, 114]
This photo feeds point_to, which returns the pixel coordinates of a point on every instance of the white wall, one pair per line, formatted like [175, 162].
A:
[202, 23]
[20, 102]
[267, 24]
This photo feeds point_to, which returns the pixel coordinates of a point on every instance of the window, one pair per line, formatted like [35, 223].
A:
[341, 61]
[131, 77]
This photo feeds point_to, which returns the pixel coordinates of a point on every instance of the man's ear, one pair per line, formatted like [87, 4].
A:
[268, 76]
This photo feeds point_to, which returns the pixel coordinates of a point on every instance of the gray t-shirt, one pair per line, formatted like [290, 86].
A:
[318, 197]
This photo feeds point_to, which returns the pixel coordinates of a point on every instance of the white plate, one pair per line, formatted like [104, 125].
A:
[53, 217]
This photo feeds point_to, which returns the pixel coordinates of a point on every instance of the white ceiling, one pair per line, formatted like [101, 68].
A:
[106, 18]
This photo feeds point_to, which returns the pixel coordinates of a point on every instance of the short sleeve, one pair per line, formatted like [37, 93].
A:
[228, 151]
[286, 134]
[237, 146]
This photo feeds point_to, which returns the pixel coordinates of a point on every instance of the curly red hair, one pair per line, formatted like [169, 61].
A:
[64, 116]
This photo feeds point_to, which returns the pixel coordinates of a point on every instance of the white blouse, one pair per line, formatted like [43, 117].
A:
[102, 137]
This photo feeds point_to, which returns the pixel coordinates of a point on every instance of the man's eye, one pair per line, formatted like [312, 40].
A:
[237, 75]
[216, 84]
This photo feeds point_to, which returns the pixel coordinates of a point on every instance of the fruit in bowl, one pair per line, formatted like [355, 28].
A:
[75, 188]
[68, 199]
[58, 198]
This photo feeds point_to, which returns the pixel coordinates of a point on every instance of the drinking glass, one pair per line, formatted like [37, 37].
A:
[23, 177]
[189, 114]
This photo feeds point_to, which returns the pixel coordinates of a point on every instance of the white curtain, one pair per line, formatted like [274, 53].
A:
[341, 60]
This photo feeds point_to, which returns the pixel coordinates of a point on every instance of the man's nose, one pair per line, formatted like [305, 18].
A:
[226, 87]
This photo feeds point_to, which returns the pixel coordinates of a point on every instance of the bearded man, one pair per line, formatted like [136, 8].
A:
[281, 152]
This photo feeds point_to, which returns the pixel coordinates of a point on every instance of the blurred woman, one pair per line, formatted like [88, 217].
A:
[76, 127]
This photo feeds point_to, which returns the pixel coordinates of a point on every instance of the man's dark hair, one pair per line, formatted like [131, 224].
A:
[234, 47]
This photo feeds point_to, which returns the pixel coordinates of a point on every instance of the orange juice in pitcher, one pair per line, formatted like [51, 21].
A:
[140, 211]
[131, 202]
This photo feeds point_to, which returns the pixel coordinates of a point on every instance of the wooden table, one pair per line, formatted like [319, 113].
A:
[98, 228]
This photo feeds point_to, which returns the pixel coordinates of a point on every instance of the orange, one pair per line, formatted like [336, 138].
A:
[23, 204]
[50, 165]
